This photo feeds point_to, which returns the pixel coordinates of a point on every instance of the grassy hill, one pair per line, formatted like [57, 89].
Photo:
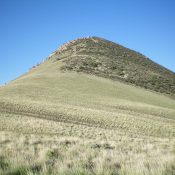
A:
[57, 121]
[107, 59]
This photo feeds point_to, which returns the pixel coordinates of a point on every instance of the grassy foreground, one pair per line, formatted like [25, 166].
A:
[54, 122]
[52, 154]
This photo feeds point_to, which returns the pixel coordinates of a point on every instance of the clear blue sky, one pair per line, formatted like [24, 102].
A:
[31, 29]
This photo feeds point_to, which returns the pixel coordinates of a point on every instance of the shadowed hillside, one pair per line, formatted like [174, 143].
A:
[100, 57]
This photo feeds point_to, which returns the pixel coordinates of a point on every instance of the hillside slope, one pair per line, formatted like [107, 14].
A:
[56, 121]
[104, 58]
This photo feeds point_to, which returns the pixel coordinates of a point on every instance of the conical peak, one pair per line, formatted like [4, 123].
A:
[94, 55]
[100, 57]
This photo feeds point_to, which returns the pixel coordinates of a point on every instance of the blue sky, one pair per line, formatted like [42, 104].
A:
[31, 29]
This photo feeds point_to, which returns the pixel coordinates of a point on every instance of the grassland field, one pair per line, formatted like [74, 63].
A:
[62, 122]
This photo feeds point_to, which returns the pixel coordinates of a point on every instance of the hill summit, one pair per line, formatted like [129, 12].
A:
[94, 55]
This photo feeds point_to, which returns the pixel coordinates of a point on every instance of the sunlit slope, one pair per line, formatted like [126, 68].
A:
[47, 100]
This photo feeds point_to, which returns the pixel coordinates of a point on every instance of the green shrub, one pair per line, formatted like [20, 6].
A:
[170, 169]
[4, 165]
[53, 154]
[22, 170]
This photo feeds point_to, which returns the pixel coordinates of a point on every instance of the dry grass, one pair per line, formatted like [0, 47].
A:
[52, 154]
[70, 123]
